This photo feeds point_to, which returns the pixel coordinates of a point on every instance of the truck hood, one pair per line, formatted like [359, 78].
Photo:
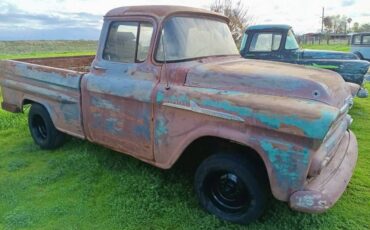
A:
[324, 54]
[271, 78]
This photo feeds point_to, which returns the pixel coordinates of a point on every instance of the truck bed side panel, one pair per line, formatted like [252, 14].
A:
[56, 89]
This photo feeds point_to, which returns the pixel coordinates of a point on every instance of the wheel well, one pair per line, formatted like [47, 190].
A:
[359, 55]
[203, 147]
[27, 102]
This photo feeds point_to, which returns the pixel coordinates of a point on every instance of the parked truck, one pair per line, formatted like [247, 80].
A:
[278, 43]
[360, 45]
[162, 87]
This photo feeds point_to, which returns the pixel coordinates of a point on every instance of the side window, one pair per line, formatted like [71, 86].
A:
[145, 37]
[356, 39]
[366, 40]
[264, 42]
[244, 41]
[128, 42]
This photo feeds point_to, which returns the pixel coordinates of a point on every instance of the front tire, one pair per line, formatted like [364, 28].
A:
[42, 128]
[232, 188]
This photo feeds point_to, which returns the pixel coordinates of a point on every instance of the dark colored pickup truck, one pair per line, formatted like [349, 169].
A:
[161, 87]
[360, 45]
[278, 43]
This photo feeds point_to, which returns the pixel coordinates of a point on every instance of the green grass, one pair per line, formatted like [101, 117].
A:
[85, 186]
[34, 49]
[335, 47]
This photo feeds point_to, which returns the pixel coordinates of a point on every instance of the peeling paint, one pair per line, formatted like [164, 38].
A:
[287, 162]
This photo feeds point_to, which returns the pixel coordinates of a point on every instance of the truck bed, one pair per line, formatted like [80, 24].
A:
[78, 63]
[53, 82]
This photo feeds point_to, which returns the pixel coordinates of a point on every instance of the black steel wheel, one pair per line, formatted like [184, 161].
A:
[232, 188]
[227, 191]
[42, 128]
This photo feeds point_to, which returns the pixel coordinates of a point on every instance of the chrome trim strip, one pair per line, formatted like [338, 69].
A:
[195, 108]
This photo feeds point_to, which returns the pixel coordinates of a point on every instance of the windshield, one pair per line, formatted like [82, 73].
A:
[188, 38]
[291, 42]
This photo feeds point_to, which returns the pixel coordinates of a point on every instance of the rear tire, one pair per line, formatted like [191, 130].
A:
[42, 128]
[232, 187]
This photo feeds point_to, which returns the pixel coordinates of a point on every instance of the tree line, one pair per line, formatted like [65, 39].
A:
[240, 18]
[341, 24]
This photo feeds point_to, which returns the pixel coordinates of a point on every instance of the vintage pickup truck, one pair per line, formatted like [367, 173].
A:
[278, 43]
[161, 87]
[360, 45]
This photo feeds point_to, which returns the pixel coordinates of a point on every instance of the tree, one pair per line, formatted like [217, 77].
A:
[349, 20]
[365, 27]
[238, 14]
[361, 28]
[335, 24]
[328, 23]
[356, 27]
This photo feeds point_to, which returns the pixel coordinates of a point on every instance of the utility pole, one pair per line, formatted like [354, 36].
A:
[322, 20]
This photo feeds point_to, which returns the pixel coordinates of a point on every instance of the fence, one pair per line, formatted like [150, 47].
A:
[324, 39]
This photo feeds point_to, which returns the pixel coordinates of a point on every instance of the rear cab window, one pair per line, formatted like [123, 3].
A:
[265, 42]
[128, 42]
[356, 40]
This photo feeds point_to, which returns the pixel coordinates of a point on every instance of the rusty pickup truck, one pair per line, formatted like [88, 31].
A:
[161, 86]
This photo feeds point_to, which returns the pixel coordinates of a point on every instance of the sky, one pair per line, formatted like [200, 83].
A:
[82, 19]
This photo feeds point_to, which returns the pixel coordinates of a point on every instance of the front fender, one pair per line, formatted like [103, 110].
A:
[351, 70]
[282, 130]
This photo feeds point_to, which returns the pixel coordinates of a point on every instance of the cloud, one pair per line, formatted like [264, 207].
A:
[15, 23]
[348, 2]
[49, 34]
[72, 19]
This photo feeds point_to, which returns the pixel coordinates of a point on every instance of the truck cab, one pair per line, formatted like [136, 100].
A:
[278, 43]
[360, 45]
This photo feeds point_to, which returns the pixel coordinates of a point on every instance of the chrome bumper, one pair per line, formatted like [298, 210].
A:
[363, 93]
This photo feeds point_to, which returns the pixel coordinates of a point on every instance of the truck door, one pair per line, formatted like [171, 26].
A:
[117, 94]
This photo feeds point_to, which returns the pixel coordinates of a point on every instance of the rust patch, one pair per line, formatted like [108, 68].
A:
[10, 107]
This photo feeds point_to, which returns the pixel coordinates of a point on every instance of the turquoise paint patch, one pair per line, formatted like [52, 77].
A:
[312, 128]
[227, 106]
[103, 104]
[142, 131]
[160, 97]
[182, 99]
[70, 112]
[160, 129]
[325, 66]
[316, 128]
[122, 87]
[219, 92]
[111, 126]
[289, 164]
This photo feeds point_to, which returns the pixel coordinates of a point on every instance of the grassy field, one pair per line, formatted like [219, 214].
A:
[336, 47]
[85, 186]
[30, 49]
